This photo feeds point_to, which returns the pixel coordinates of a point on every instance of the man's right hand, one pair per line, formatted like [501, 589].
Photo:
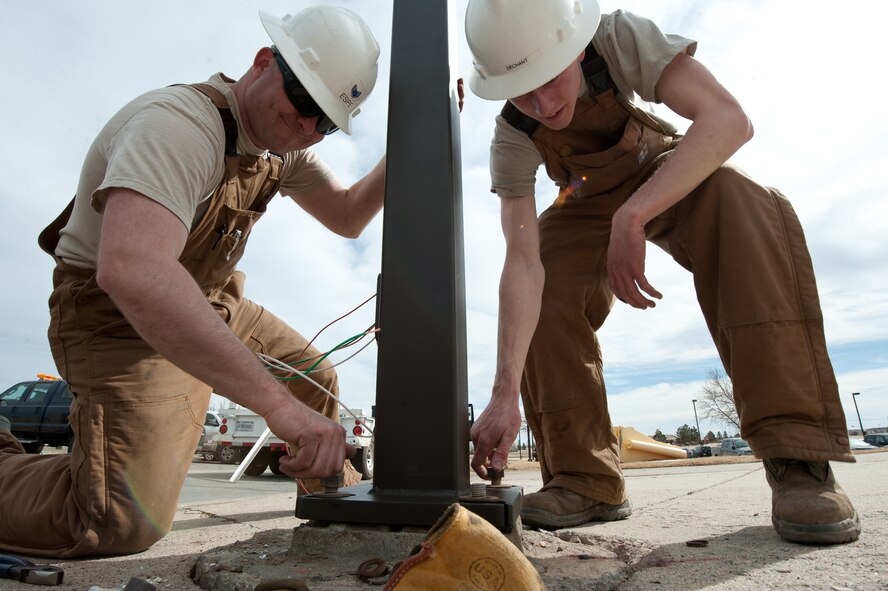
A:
[493, 434]
[316, 443]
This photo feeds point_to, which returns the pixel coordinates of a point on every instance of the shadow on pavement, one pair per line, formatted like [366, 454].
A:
[724, 558]
[212, 519]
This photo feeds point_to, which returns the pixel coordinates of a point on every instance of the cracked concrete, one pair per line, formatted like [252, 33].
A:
[725, 505]
[327, 558]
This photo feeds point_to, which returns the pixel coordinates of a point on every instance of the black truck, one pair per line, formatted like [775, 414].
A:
[38, 411]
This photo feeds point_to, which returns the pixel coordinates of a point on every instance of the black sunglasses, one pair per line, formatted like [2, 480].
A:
[300, 97]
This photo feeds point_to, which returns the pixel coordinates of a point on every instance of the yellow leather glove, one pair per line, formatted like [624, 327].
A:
[464, 552]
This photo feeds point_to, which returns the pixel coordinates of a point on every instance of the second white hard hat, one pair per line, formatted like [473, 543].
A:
[334, 55]
[519, 45]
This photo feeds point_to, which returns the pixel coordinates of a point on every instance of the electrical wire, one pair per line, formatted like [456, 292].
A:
[332, 322]
[367, 344]
[320, 358]
[282, 366]
[277, 362]
[347, 343]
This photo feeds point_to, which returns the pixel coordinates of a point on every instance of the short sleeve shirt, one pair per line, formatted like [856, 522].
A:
[169, 145]
[636, 52]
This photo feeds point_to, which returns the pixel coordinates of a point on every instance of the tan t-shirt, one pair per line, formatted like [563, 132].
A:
[169, 145]
[636, 52]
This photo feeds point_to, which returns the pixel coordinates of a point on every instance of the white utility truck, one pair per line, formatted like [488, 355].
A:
[241, 428]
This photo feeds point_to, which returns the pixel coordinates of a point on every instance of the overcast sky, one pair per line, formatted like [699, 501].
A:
[811, 80]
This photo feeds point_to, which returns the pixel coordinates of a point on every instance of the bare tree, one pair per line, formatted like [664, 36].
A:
[717, 400]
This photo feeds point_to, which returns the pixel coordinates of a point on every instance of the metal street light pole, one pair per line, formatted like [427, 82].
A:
[854, 398]
[699, 435]
[421, 467]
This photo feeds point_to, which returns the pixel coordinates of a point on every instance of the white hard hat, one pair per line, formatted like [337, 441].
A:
[519, 45]
[332, 52]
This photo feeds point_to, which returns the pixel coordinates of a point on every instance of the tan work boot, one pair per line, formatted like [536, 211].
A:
[5, 425]
[807, 505]
[350, 477]
[555, 508]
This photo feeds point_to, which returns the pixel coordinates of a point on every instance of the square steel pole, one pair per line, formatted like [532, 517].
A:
[422, 426]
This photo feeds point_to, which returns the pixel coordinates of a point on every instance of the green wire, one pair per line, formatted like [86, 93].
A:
[341, 345]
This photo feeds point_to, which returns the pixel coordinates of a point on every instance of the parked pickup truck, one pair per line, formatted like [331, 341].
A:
[38, 411]
[733, 446]
[241, 428]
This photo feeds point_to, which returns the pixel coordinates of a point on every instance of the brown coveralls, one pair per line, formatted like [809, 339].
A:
[754, 281]
[136, 417]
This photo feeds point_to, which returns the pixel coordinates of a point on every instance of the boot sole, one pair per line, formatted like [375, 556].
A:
[840, 532]
[551, 521]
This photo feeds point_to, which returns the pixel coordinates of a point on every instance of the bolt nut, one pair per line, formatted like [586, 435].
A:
[333, 483]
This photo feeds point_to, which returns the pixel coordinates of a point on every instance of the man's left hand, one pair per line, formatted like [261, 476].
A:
[625, 264]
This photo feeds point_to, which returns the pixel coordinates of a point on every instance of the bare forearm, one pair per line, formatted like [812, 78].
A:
[365, 199]
[708, 144]
[166, 307]
[521, 288]
[720, 127]
[347, 211]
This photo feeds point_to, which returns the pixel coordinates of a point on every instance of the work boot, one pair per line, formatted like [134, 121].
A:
[555, 508]
[350, 477]
[5, 425]
[807, 505]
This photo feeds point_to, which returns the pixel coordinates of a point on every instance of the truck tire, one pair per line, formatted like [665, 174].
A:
[363, 462]
[228, 454]
[258, 465]
[33, 448]
[274, 464]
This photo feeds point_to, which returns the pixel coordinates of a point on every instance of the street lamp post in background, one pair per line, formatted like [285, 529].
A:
[531, 451]
[854, 398]
[699, 435]
[520, 457]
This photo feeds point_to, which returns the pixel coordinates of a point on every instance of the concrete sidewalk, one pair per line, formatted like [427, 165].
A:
[730, 507]
[727, 505]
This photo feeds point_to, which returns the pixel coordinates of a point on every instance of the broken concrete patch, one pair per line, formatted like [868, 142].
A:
[327, 558]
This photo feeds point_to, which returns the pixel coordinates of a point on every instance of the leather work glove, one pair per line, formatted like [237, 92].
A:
[464, 552]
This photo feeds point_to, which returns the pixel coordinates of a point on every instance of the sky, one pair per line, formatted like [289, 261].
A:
[810, 80]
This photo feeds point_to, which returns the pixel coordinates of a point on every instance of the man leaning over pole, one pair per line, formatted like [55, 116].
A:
[570, 76]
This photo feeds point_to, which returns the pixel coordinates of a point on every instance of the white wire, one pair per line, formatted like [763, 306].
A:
[284, 367]
[273, 363]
